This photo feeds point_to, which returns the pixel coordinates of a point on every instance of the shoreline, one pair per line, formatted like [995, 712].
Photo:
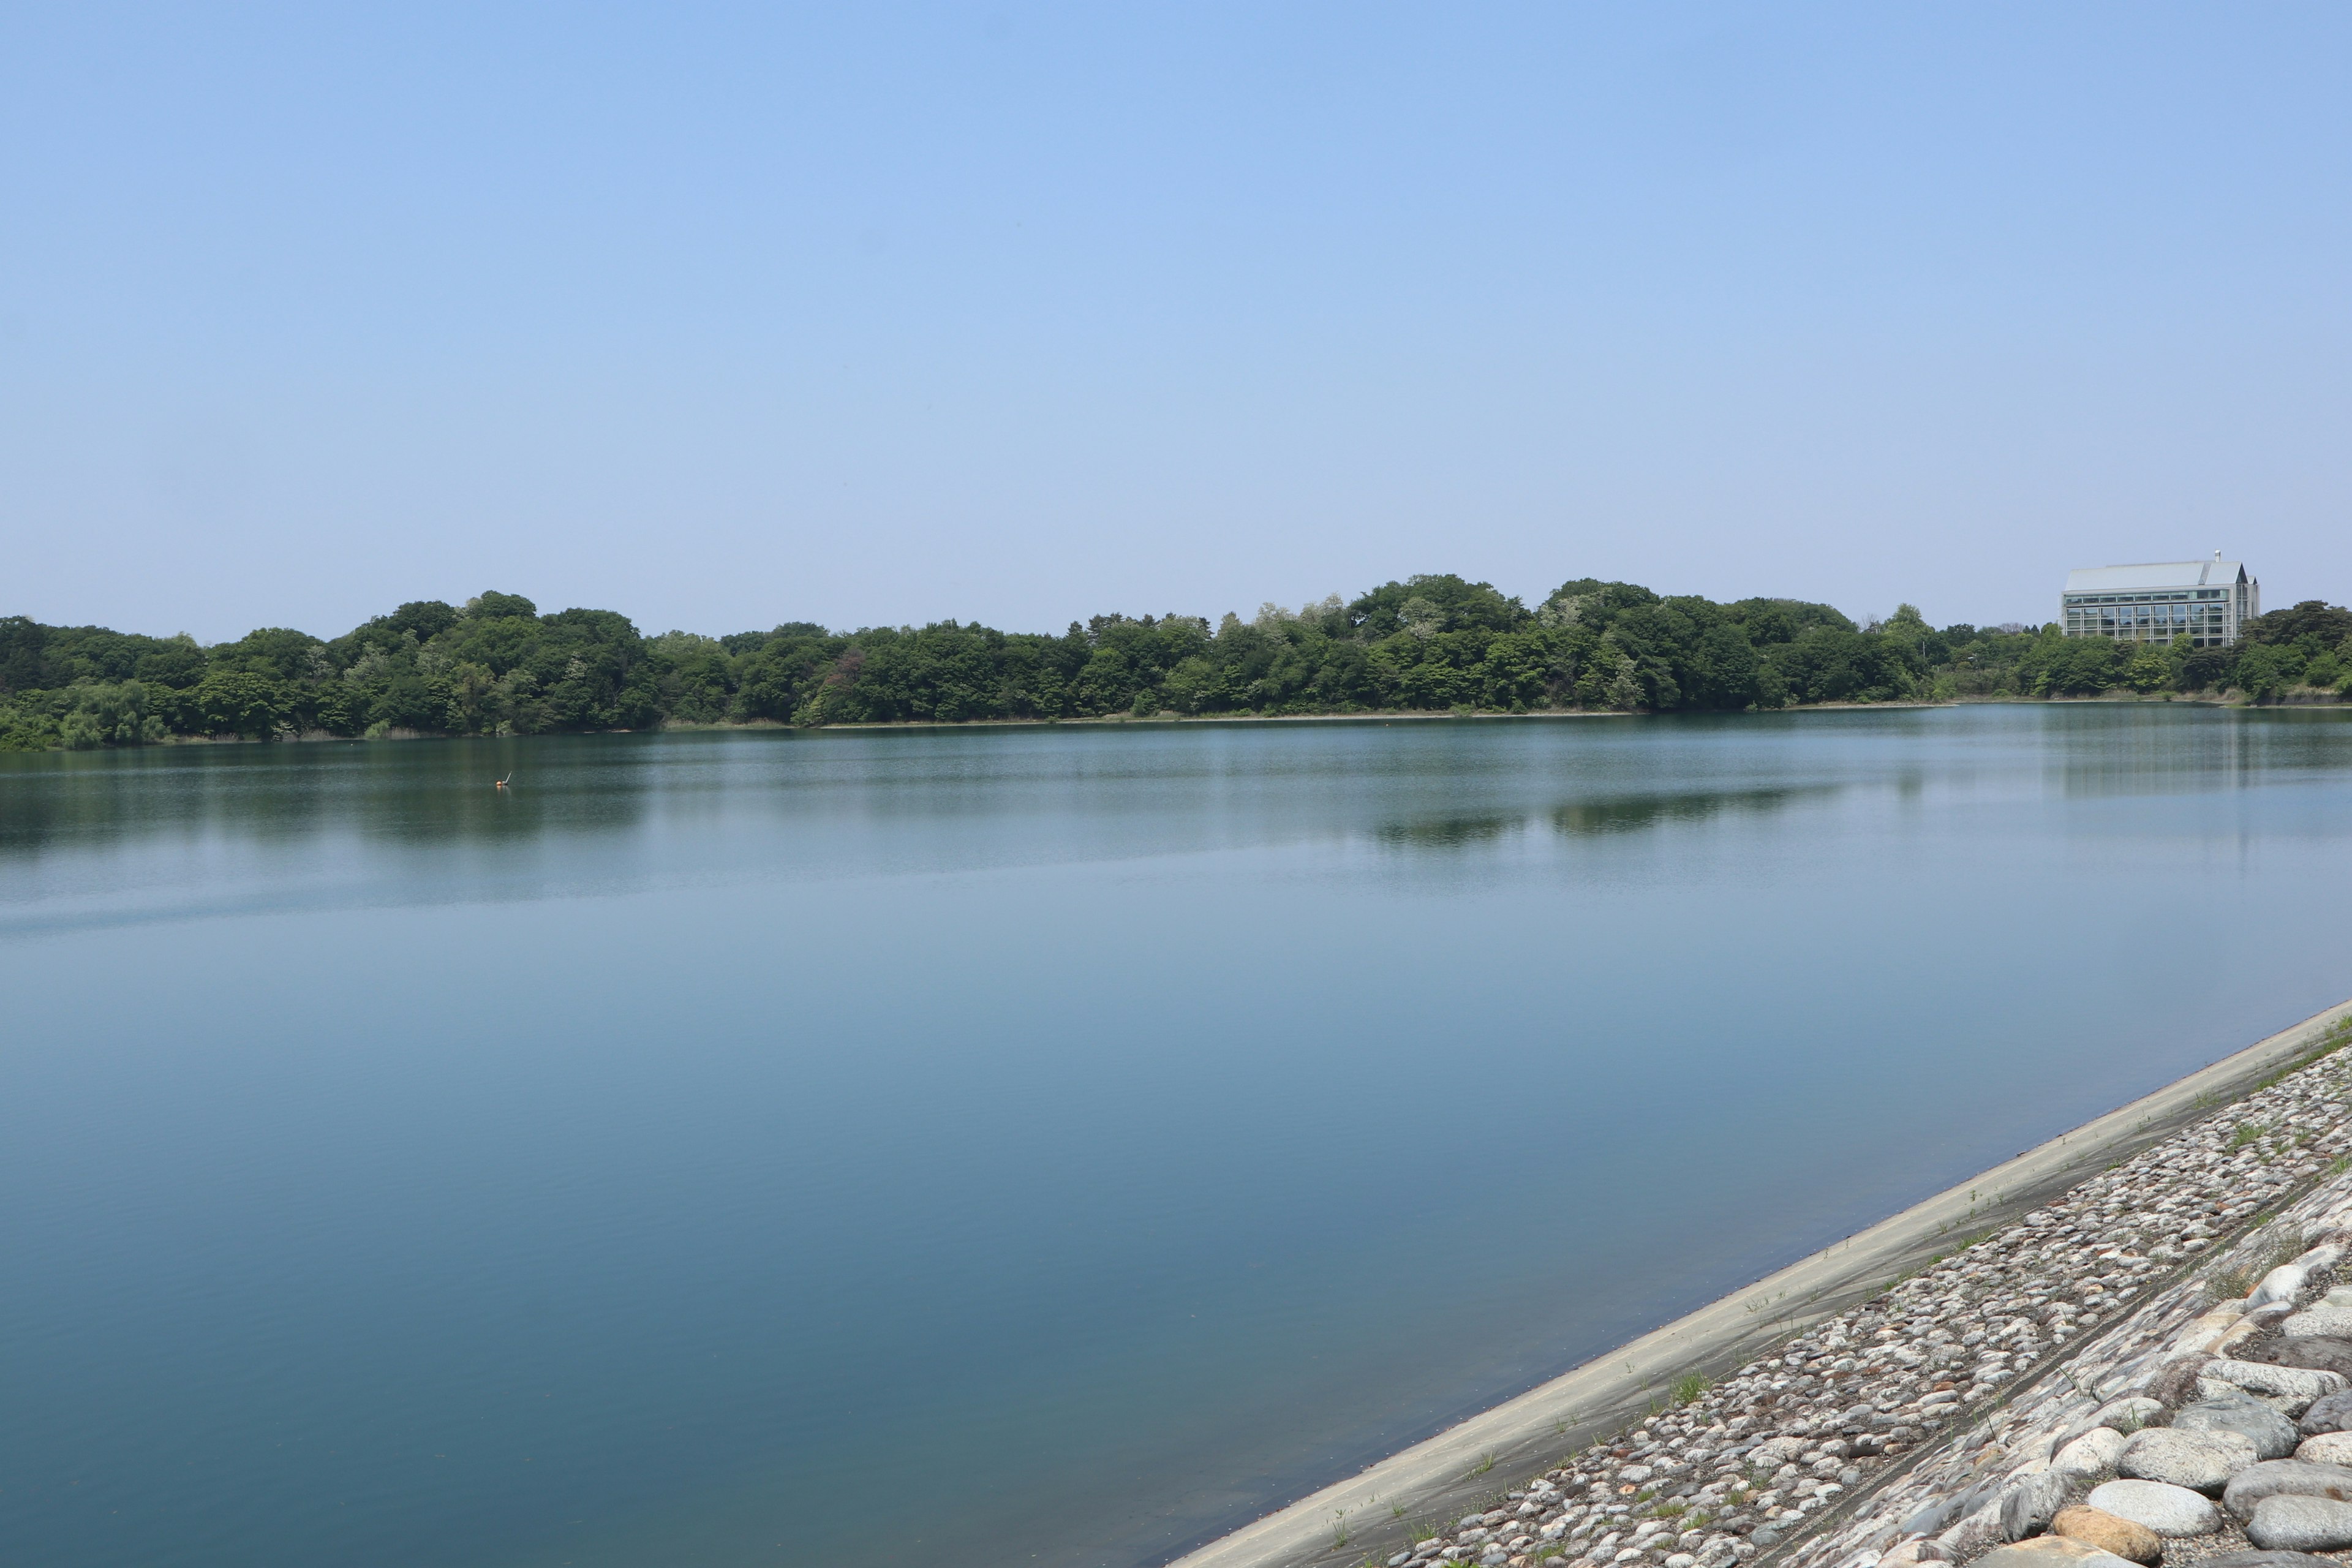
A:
[1173, 720]
[2071, 1465]
[1528, 1431]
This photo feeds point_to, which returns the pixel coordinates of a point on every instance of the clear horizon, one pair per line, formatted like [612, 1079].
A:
[723, 317]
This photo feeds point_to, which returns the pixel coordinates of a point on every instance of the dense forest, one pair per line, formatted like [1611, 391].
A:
[496, 666]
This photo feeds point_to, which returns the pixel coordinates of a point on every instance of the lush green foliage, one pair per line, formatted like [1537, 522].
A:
[496, 666]
[2307, 647]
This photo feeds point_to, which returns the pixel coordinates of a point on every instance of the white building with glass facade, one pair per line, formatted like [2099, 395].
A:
[2209, 601]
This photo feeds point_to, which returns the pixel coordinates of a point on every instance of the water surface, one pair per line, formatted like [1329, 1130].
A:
[1026, 1146]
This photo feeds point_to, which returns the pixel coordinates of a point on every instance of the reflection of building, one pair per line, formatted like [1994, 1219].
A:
[2209, 601]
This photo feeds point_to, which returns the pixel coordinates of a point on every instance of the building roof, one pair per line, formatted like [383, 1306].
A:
[2153, 574]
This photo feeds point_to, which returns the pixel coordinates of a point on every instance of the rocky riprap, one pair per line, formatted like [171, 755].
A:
[1909, 1400]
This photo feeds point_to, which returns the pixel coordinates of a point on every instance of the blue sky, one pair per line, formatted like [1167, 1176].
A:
[727, 316]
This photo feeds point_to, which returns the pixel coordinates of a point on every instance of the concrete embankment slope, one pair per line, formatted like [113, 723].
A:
[1449, 1471]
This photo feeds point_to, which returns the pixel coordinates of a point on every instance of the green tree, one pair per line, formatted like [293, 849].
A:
[2266, 670]
[1428, 642]
[2150, 668]
[242, 702]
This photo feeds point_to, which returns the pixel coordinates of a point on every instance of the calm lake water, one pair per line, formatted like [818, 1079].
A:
[1025, 1146]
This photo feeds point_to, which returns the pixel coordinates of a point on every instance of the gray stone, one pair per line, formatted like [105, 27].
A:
[2301, 1523]
[2329, 1319]
[2091, 1456]
[2266, 1559]
[2287, 1382]
[2286, 1478]
[2273, 1435]
[2202, 1462]
[2175, 1383]
[1933, 1516]
[2129, 1413]
[2280, 1284]
[2215, 1388]
[2333, 1414]
[2326, 1448]
[2172, 1512]
[2125, 1415]
[1973, 1534]
[2032, 1502]
[2263, 1320]
[2320, 1352]
[2050, 1551]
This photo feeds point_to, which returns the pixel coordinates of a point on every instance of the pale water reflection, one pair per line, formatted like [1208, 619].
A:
[1024, 1145]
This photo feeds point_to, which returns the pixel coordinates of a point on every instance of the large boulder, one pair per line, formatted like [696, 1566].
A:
[2330, 1317]
[2091, 1457]
[2292, 1524]
[2319, 1352]
[2292, 1387]
[1910, 1554]
[2274, 1559]
[2129, 1413]
[2202, 1462]
[2096, 1527]
[2281, 1284]
[2286, 1478]
[2051, 1552]
[1936, 1512]
[2333, 1414]
[2171, 1511]
[2030, 1503]
[2174, 1382]
[1973, 1535]
[2273, 1435]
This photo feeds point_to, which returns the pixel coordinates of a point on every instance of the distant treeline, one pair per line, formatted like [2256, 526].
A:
[496, 666]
